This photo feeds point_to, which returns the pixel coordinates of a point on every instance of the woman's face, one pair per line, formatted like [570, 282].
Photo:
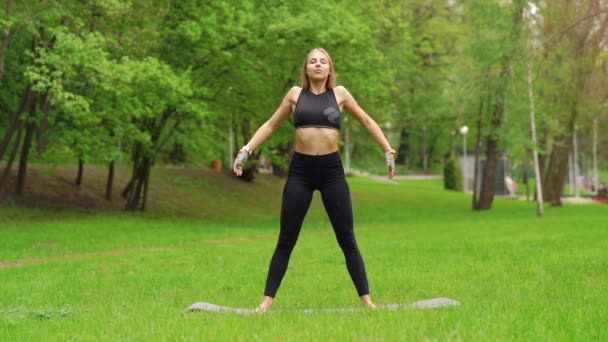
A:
[317, 66]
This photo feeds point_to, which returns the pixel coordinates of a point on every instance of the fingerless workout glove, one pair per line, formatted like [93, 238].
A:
[390, 159]
[242, 156]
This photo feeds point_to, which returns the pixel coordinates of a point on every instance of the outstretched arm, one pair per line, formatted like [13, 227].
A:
[370, 125]
[264, 131]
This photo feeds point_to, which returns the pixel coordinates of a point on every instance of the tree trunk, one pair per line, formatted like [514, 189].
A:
[488, 181]
[486, 194]
[110, 181]
[23, 107]
[80, 172]
[131, 194]
[477, 154]
[31, 121]
[9, 135]
[557, 173]
[135, 195]
[144, 199]
[542, 160]
[30, 127]
[9, 164]
[133, 201]
[41, 140]
[524, 179]
[557, 170]
[143, 160]
[138, 183]
[125, 193]
[17, 125]
[25, 152]
[585, 42]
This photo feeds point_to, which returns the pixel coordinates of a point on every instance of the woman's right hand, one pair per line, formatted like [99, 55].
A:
[390, 162]
[240, 160]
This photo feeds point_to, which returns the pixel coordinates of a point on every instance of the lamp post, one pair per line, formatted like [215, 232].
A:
[424, 157]
[230, 134]
[463, 131]
[575, 160]
[596, 178]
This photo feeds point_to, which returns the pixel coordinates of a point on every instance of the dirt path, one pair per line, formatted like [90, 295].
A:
[121, 252]
[384, 178]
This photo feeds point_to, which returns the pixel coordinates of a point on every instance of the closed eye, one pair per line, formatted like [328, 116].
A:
[322, 61]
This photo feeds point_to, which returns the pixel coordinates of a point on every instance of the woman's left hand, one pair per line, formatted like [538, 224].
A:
[240, 160]
[390, 162]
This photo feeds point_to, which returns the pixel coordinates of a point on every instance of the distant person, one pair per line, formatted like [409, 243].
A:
[511, 186]
[317, 107]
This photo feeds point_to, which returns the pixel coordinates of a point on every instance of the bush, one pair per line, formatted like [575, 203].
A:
[452, 173]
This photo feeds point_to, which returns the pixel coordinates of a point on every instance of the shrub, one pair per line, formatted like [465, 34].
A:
[452, 173]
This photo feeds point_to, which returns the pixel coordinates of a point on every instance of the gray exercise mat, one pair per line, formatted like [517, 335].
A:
[421, 304]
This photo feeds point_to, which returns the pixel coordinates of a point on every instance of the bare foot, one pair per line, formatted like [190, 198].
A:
[366, 300]
[370, 306]
[265, 305]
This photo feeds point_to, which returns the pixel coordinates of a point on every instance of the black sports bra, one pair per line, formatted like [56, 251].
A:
[317, 110]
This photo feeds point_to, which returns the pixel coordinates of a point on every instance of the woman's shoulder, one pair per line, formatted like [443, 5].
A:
[340, 90]
[293, 94]
[294, 89]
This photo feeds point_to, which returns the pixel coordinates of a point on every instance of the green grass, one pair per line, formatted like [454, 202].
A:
[118, 276]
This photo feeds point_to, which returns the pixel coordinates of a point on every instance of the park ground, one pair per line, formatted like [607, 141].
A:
[75, 267]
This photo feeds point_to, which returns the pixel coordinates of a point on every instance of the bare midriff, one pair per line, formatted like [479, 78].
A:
[316, 140]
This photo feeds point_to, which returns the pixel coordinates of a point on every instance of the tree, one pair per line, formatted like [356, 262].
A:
[34, 105]
[159, 103]
[493, 100]
[581, 28]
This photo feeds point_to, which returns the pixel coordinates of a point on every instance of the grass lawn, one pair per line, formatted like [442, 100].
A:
[116, 276]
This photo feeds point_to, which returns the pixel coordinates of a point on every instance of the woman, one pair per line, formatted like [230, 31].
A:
[316, 165]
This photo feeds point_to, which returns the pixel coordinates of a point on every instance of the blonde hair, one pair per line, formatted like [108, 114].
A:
[331, 78]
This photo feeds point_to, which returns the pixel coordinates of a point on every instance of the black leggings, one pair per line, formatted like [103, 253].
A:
[306, 174]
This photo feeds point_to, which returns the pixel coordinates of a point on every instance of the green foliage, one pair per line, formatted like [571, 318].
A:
[158, 102]
[71, 74]
[242, 56]
[452, 173]
[113, 67]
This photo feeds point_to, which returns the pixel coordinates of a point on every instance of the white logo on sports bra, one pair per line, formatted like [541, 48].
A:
[332, 114]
